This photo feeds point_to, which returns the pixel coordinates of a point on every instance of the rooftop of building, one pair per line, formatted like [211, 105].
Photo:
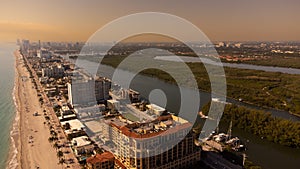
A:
[94, 126]
[81, 76]
[70, 116]
[81, 141]
[112, 101]
[75, 124]
[100, 158]
[164, 124]
[133, 92]
[155, 107]
[92, 108]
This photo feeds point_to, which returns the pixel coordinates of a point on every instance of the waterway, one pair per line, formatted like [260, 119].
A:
[260, 151]
[189, 59]
[145, 84]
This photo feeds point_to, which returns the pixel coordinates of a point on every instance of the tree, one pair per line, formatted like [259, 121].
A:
[47, 118]
[61, 161]
[60, 154]
[55, 145]
[50, 139]
[67, 126]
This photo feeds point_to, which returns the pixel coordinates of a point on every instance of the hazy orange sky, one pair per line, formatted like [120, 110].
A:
[77, 20]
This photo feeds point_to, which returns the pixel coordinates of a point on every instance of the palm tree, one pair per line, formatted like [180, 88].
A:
[60, 154]
[67, 126]
[55, 145]
[50, 139]
[61, 161]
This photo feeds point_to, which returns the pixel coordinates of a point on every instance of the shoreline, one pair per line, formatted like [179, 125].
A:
[13, 159]
[29, 146]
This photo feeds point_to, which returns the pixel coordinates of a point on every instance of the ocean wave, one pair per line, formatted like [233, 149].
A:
[14, 134]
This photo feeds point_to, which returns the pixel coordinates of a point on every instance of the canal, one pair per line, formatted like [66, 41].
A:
[260, 151]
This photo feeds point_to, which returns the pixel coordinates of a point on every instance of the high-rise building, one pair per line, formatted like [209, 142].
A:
[54, 71]
[25, 45]
[43, 54]
[86, 92]
[39, 47]
[164, 143]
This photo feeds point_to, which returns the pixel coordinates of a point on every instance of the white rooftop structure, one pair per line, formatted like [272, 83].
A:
[81, 141]
[74, 124]
[67, 116]
[113, 104]
[155, 109]
[94, 126]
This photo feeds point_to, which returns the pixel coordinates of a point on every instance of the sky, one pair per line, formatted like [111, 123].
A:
[77, 20]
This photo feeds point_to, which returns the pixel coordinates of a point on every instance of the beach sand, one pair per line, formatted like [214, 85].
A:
[34, 150]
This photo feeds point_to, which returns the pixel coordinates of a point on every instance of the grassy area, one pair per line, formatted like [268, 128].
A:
[130, 117]
[279, 61]
[265, 89]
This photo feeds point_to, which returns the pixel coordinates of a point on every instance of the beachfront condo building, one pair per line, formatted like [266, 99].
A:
[86, 92]
[164, 143]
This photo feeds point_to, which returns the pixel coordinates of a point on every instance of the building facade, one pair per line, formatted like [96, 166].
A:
[165, 143]
[56, 71]
[88, 91]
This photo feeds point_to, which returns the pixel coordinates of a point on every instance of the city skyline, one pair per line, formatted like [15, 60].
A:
[77, 21]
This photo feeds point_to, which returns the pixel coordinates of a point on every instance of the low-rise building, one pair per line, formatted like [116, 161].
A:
[101, 161]
[134, 96]
[73, 128]
[113, 105]
[155, 109]
[82, 145]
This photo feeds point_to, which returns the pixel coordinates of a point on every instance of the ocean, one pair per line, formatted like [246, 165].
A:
[7, 106]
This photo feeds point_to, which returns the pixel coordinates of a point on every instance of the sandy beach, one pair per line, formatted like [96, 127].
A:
[34, 150]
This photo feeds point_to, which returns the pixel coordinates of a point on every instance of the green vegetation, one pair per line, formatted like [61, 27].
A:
[56, 108]
[279, 61]
[277, 130]
[265, 89]
[60, 154]
[130, 116]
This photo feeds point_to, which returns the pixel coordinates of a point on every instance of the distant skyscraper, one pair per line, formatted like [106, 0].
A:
[25, 45]
[39, 45]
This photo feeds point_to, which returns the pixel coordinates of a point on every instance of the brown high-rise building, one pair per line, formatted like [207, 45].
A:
[164, 143]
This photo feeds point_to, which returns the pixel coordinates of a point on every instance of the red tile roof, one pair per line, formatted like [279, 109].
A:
[100, 158]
